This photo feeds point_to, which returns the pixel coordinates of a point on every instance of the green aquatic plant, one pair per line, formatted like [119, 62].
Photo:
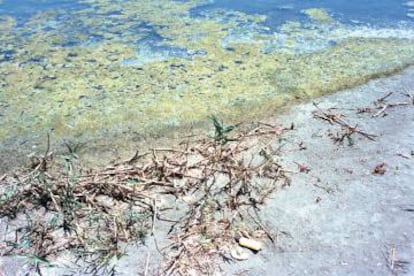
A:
[222, 131]
[90, 94]
[319, 15]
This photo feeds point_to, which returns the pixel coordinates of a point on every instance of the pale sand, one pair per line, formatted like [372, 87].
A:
[360, 216]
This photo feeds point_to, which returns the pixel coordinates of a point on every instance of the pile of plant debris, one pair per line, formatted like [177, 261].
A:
[58, 206]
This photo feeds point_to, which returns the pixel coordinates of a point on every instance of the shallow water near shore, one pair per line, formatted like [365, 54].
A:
[120, 72]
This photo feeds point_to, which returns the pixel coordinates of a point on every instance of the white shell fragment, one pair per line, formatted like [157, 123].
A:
[251, 244]
[239, 254]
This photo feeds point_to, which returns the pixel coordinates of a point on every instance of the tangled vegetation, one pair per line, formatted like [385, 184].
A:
[58, 206]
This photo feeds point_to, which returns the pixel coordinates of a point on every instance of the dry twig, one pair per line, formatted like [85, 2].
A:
[337, 119]
[95, 210]
[381, 104]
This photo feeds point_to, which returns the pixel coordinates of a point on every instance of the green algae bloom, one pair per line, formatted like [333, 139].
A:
[319, 15]
[109, 81]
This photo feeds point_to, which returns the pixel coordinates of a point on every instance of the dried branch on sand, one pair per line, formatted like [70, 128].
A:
[63, 206]
[338, 119]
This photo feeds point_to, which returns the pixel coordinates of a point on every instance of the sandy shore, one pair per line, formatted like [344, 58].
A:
[339, 218]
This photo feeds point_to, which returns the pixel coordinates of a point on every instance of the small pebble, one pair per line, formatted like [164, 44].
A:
[250, 244]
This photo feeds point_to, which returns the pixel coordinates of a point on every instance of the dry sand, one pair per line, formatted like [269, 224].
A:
[339, 218]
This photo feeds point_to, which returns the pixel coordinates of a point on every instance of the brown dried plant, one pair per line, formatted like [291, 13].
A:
[60, 206]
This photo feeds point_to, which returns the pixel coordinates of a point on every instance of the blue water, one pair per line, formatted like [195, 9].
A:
[378, 12]
[76, 32]
[373, 12]
[384, 13]
[24, 9]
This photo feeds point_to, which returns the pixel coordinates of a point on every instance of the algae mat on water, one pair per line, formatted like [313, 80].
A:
[126, 67]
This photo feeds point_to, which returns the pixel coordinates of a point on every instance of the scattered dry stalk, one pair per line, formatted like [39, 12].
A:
[338, 119]
[90, 212]
[381, 104]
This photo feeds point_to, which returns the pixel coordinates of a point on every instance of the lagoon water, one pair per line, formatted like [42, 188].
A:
[102, 69]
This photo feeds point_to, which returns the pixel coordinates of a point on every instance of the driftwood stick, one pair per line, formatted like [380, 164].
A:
[337, 119]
